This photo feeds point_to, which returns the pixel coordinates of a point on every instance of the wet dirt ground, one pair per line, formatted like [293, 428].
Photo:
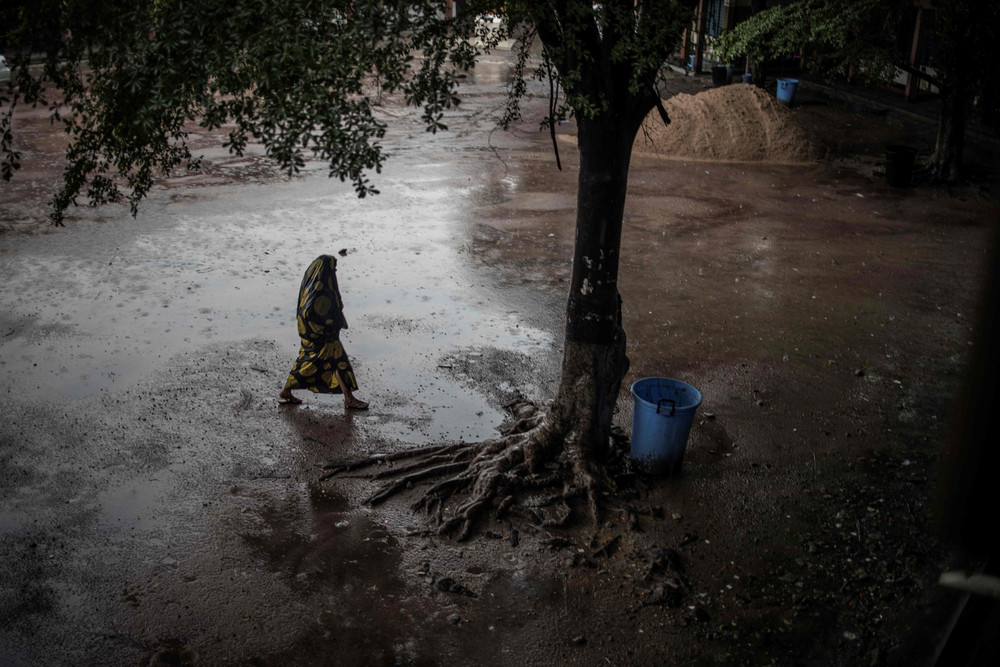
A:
[159, 506]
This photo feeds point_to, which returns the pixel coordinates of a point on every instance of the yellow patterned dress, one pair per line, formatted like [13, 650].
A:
[320, 316]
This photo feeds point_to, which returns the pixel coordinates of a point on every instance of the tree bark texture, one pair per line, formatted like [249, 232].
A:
[594, 360]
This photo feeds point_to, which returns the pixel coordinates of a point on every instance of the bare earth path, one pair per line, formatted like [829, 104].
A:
[158, 506]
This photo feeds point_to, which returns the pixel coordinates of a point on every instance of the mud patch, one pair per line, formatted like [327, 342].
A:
[27, 560]
[504, 375]
[395, 325]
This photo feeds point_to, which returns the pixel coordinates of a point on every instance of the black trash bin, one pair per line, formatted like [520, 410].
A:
[718, 76]
[899, 165]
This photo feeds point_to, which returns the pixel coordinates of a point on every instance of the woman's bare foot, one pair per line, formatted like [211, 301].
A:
[355, 404]
[286, 397]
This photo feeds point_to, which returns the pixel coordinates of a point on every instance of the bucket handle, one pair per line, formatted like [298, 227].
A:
[672, 402]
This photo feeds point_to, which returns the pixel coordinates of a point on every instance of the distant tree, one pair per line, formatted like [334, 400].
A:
[296, 76]
[843, 37]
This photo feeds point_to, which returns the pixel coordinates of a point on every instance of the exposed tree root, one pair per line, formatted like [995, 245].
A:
[331, 469]
[513, 475]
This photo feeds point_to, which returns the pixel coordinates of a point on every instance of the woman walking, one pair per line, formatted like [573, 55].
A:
[322, 365]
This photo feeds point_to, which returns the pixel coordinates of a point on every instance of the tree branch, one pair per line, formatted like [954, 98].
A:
[663, 112]
[553, 96]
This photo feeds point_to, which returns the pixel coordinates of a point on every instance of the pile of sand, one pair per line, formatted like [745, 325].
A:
[736, 122]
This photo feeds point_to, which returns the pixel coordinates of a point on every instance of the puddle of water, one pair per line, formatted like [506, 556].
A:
[94, 308]
[13, 522]
[315, 539]
[490, 71]
[138, 504]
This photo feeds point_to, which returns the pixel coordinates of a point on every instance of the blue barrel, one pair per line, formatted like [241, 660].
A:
[662, 414]
[786, 90]
[748, 78]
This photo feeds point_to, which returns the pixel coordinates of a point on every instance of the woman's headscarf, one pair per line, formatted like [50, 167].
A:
[321, 310]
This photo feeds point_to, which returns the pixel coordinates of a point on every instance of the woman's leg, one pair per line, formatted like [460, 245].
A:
[286, 397]
[349, 400]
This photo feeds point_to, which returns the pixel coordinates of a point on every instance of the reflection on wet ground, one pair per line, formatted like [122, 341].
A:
[149, 353]
[93, 311]
[318, 540]
[159, 504]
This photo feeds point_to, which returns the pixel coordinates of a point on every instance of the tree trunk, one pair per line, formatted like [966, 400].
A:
[594, 361]
[610, 106]
[956, 105]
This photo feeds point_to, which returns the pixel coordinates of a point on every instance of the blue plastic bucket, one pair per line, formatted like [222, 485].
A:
[691, 63]
[662, 414]
[786, 90]
[748, 78]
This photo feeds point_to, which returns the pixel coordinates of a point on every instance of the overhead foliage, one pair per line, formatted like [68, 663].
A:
[296, 76]
[837, 36]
